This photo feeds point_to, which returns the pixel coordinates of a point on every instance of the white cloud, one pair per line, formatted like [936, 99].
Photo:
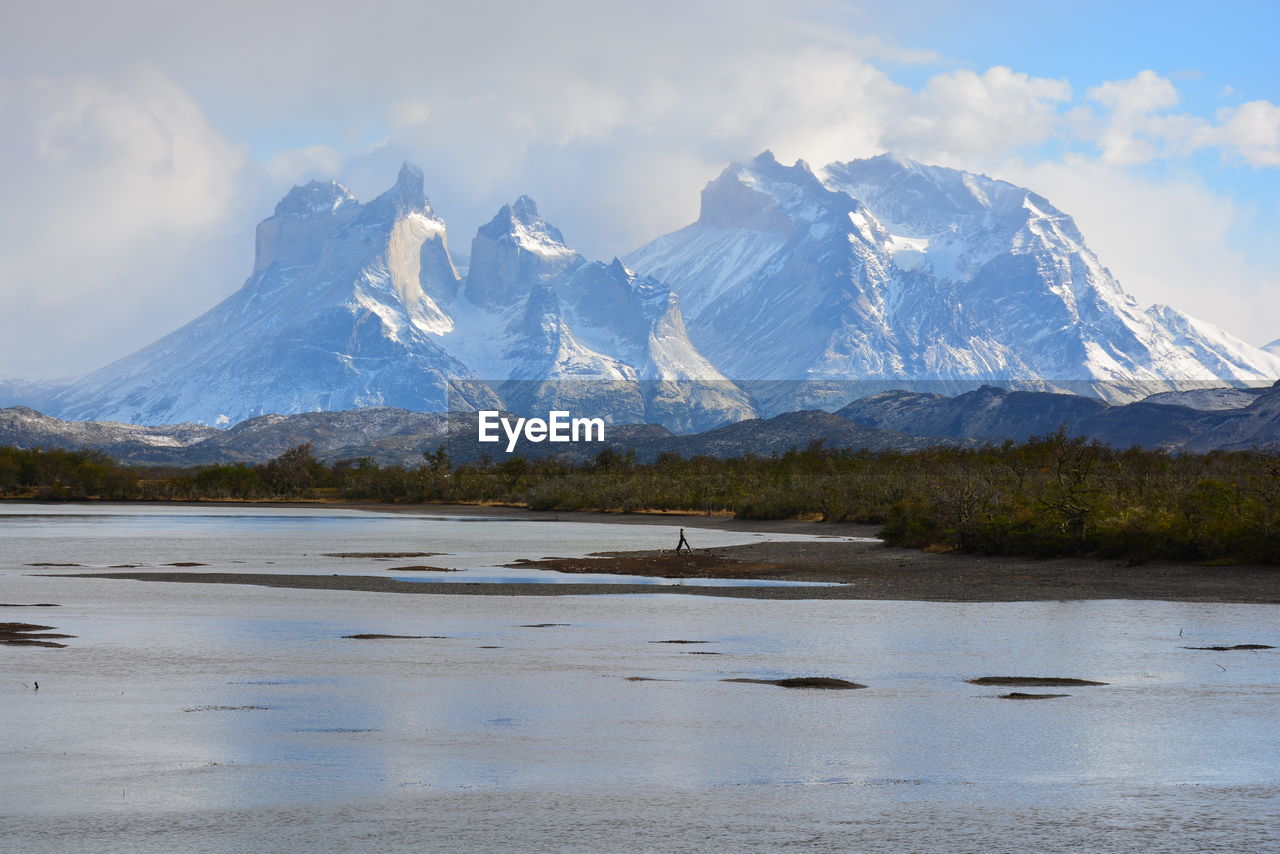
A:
[408, 112]
[962, 114]
[297, 166]
[1137, 127]
[107, 182]
[612, 115]
[1250, 131]
[1142, 94]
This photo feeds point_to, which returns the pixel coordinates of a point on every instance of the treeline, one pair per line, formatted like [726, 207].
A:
[1050, 496]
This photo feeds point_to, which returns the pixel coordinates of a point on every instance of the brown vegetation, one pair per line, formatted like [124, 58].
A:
[1050, 496]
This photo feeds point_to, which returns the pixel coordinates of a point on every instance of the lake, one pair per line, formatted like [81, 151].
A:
[229, 718]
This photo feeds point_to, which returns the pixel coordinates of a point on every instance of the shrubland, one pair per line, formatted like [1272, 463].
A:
[1053, 495]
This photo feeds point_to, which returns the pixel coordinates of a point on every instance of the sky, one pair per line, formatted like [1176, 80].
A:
[143, 140]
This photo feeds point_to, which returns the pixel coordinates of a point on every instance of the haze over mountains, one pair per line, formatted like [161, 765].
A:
[792, 290]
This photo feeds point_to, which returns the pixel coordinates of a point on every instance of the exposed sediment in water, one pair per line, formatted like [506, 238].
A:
[661, 564]
[226, 709]
[30, 634]
[381, 555]
[1044, 681]
[822, 682]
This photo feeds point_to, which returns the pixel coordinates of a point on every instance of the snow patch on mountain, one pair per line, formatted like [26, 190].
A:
[1208, 399]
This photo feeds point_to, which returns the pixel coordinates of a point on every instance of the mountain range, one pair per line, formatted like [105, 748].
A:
[794, 289]
[896, 420]
[1196, 421]
[884, 270]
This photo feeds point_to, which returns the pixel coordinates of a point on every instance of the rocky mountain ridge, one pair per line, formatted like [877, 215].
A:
[888, 272]
[794, 290]
[894, 420]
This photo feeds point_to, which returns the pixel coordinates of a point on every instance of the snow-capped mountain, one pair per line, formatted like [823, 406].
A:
[1273, 347]
[343, 310]
[513, 251]
[884, 272]
[35, 394]
[353, 305]
[549, 329]
[798, 288]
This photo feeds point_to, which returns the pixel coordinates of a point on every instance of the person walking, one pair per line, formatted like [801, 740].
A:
[683, 544]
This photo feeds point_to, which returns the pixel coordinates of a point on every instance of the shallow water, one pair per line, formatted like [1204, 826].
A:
[297, 540]
[501, 736]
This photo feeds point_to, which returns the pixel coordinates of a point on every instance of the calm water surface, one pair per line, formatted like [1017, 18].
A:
[498, 736]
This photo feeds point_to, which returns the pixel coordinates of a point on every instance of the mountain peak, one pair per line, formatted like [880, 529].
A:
[764, 195]
[303, 220]
[314, 198]
[526, 210]
[520, 224]
[410, 177]
[514, 250]
[888, 158]
[409, 190]
[919, 200]
[406, 196]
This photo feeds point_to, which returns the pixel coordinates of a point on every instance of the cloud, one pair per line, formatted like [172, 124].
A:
[299, 165]
[962, 114]
[141, 188]
[1251, 132]
[408, 112]
[1140, 95]
[110, 181]
[1137, 127]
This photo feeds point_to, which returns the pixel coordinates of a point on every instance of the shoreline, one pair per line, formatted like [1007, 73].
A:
[524, 514]
[864, 570]
[861, 571]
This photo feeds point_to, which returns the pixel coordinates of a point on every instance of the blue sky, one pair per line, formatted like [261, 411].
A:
[1223, 44]
[144, 141]
[1220, 55]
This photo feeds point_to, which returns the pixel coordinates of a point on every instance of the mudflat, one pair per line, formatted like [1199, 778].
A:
[860, 570]
[857, 570]
[874, 571]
